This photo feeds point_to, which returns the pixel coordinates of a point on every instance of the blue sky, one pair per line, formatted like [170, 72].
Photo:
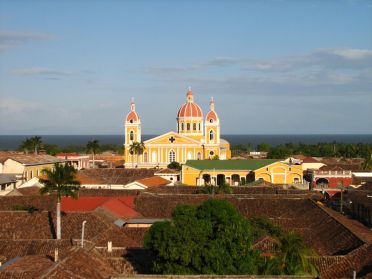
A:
[273, 67]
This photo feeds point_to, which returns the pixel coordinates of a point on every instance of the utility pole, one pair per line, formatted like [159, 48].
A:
[82, 233]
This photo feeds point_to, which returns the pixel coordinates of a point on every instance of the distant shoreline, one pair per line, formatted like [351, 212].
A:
[12, 142]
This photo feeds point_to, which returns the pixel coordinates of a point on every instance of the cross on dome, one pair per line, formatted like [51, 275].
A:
[132, 105]
[211, 104]
[189, 95]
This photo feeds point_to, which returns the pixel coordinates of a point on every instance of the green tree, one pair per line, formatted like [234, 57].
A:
[61, 181]
[264, 147]
[137, 148]
[36, 143]
[93, 147]
[213, 238]
[367, 164]
[292, 258]
[174, 166]
[26, 145]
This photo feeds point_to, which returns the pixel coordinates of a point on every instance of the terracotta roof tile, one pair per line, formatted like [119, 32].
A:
[154, 181]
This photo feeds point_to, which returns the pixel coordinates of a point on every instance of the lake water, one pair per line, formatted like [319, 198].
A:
[11, 142]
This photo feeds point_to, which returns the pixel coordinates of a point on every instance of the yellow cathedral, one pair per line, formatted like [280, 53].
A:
[196, 138]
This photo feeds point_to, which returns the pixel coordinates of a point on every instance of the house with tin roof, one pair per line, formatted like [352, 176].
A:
[28, 166]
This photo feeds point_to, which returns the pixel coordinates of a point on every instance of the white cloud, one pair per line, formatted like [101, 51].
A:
[350, 53]
[37, 71]
[9, 40]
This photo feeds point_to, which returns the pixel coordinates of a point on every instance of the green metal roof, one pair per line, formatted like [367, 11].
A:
[229, 164]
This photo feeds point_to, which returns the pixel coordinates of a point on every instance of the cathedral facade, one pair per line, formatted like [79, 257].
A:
[197, 138]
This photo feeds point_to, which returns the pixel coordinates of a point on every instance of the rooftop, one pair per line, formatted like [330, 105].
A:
[113, 176]
[230, 164]
[153, 181]
[32, 159]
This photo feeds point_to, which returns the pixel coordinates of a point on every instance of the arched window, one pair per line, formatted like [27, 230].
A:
[194, 126]
[172, 156]
[131, 121]
[188, 126]
[131, 135]
[199, 156]
[145, 157]
[211, 135]
[182, 126]
[211, 120]
[189, 155]
[199, 127]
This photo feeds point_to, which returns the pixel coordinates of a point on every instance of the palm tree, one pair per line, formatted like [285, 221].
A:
[93, 146]
[136, 148]
[26, 145]
[293, 256]
[367, 164]
[36, 143]
[60, 180]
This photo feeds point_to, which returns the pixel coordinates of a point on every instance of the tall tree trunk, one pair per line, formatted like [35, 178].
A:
[59, 218]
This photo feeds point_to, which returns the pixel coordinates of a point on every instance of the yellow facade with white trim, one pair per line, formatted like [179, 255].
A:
[195, 139]
[275, 173]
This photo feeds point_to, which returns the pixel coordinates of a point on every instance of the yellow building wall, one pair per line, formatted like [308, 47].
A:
[192, 177]
[280, 173]
[276, 173]
[33, 171]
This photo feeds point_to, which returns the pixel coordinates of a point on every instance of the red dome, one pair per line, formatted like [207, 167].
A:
[211, 115]
[132, 117]
[190, 110]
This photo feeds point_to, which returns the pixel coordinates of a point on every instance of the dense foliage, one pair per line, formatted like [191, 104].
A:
[35, 143]
[214, 238]
[334, 149]
[174, 166]
[210, 239]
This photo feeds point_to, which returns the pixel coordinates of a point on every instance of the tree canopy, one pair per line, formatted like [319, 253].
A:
[210, 239]
[214, 238]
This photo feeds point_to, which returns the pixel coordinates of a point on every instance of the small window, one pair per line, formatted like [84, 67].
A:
[131, 121]
[31, 174]
[211, 153]
[188, 126]
[267, 169]
[211, 120]
[199, 127]
[145, 157]
[199, 156]
[182, 127]
[211, 135]
[194, 126]
[131, 135]
[290, 169]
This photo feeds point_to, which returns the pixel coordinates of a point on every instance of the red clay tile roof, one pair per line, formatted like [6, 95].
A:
[168, 171]
[154, 181]
[27, 267]
[113, 176]
[121, 207]
[310, 160]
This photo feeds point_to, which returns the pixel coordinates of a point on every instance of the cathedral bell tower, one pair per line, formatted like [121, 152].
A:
[212, 132]
[132, 126]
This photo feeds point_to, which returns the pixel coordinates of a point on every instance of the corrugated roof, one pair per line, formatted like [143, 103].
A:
[32, 159]
[7, 178]
[230, 164]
